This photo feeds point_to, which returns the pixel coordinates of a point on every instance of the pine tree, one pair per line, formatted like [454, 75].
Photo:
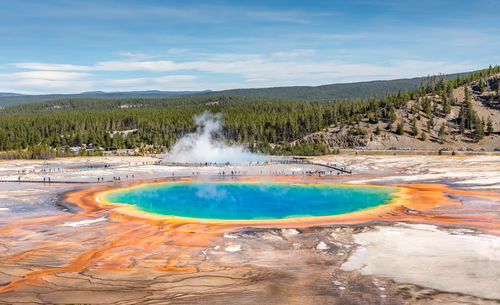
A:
[430, 124]
[478, 129]
[442, 132]
[489, 127]
[481, 86]
[377, 131]
[414, 128]
[424, 136]
[389, 126]
[400, 129]
[467, 115]
[392, 115]
[466, 94]
[446, 106]
[489, 100]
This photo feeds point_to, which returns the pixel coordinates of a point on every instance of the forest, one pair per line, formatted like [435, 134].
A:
[269, 125]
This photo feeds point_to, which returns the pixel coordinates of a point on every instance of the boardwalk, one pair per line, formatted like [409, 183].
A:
[53, 181]
[284, 162]
[121, 174]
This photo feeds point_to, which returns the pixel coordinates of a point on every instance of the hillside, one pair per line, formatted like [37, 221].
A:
[11, 99]
[318, 93]
[130, 104]
[441, 127]
[335, 92]
[7, 94]
[459, 114]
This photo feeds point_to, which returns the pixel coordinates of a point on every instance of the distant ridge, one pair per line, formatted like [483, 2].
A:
[7, 94]
[10, 99]
[333, 92]
[320, 93]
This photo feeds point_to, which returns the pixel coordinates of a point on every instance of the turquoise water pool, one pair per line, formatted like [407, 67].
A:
[244, 201]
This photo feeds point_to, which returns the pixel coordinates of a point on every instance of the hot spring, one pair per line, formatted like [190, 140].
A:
[250, 201]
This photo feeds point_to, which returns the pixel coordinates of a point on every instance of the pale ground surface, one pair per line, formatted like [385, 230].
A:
[477, 172]
[377, 263]
[427, 256]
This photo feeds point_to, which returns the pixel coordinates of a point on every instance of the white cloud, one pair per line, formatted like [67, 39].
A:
[169, 78]
[256, 80]
[162, 80]
[46, 66]
[294, 67]
[45, 81]
[153, 66]
[46, 75]
[280, 66]
[294, 54]
[39, 82]
[117, 65]
[135, 56]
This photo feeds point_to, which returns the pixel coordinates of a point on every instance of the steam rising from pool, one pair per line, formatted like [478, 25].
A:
[206, 144]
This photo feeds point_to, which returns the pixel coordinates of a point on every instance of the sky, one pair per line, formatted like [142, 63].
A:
[54, 46]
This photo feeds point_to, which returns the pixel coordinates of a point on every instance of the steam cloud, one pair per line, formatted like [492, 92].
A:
[206, 144]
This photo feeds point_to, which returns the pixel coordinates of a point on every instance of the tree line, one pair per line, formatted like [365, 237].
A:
[263, 124]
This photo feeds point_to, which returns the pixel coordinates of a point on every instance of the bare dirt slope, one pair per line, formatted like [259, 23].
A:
[486, 104]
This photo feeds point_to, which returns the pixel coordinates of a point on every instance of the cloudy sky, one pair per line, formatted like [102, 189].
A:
[55, 46]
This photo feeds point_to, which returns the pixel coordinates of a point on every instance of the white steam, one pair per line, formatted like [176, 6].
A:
[206, 145]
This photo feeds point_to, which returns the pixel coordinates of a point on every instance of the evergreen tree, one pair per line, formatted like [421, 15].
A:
[478, 129]
[466, 94]
[442, 132]
[481, 86]
[462, 119]
[392, 115]
[430, 124]
[414, 128]
[489, 127]
[446, 106]
[424, 136]
[400, 129]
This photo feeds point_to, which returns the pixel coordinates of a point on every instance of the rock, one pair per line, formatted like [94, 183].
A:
[233, 248]
[322, 246]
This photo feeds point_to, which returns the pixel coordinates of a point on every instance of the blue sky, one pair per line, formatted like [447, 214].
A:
[56, 46]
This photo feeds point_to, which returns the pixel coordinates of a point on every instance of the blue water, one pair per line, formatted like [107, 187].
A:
[90, 167]
[240, 201]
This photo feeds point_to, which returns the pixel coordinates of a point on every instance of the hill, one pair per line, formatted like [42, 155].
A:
[335, 92]
[7, 94]
[318, 93]
[461, 113]
[11, 99]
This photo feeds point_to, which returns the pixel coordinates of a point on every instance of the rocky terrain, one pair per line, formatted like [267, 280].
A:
[485, 102]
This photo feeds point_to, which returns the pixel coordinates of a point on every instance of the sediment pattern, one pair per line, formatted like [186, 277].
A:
[108, 254]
